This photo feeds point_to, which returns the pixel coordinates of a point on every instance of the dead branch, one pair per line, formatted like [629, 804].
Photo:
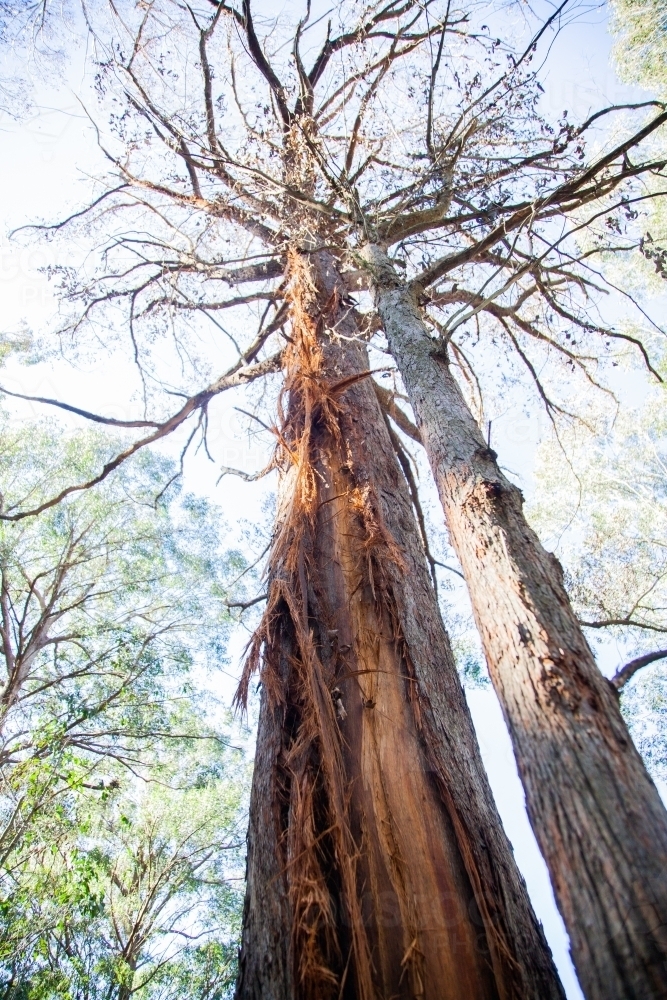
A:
[239, 375]
[628, 671]
[627, 620]
[244, 605]
[404, 462]
[96, 417]
[387, 401]
[248, 477]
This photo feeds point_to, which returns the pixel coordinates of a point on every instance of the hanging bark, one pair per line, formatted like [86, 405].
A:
[598, 818]
[377, 865]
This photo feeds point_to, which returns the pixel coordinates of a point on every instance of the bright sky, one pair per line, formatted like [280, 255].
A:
[48, 159]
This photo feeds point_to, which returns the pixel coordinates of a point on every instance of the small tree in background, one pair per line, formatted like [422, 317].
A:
[130, 886]
[121, 804]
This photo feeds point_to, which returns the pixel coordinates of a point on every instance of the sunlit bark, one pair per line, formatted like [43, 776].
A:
[377, 865]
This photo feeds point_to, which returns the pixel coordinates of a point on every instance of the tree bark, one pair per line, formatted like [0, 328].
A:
[598, 818]
[377, 864]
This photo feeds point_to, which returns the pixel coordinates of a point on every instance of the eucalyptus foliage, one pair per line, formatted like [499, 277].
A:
[121, 801]
[641, 49]
[640, 55]
[132, 888]
[601, 502]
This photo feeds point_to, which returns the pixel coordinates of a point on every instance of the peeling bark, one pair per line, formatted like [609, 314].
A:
[598, 818]
[377, 864]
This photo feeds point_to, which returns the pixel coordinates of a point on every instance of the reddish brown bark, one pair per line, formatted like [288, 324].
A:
[597, 815]
[377, 865]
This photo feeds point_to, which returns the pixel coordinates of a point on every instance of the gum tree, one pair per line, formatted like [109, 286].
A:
[121, 803]
[377, 863]
[127, 888]
[285, 170]
[106, 602]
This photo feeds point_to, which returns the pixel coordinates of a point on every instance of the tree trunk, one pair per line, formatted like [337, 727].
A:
[596, 814]
[377, 865]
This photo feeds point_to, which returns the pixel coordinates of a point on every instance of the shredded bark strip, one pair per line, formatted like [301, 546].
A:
[388, 894]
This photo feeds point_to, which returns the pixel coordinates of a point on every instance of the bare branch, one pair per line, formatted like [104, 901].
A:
[627, 620]
[239, 375]
[387, 402]
[263, 65]
[248, 477]
[404, 462]
[244, 605]
[96, 417]
[628, 671]
[53, 227]
[431, 91]
[450, 569]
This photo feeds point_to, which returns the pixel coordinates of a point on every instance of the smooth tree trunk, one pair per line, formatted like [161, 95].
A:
[377, 864]
[597, 816]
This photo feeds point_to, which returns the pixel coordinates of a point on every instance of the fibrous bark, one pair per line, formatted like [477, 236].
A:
[377, 865]
[598, 818]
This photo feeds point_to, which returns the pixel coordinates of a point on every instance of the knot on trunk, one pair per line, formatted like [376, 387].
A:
[491, 489]
[487, 452]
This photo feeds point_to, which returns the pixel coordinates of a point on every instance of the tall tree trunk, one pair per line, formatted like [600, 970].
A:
[377, 865]
[597, 816]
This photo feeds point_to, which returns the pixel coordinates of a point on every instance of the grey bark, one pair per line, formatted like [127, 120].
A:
[597, 816]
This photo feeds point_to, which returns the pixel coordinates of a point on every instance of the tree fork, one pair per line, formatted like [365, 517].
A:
[598, 818]
[377, 864]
